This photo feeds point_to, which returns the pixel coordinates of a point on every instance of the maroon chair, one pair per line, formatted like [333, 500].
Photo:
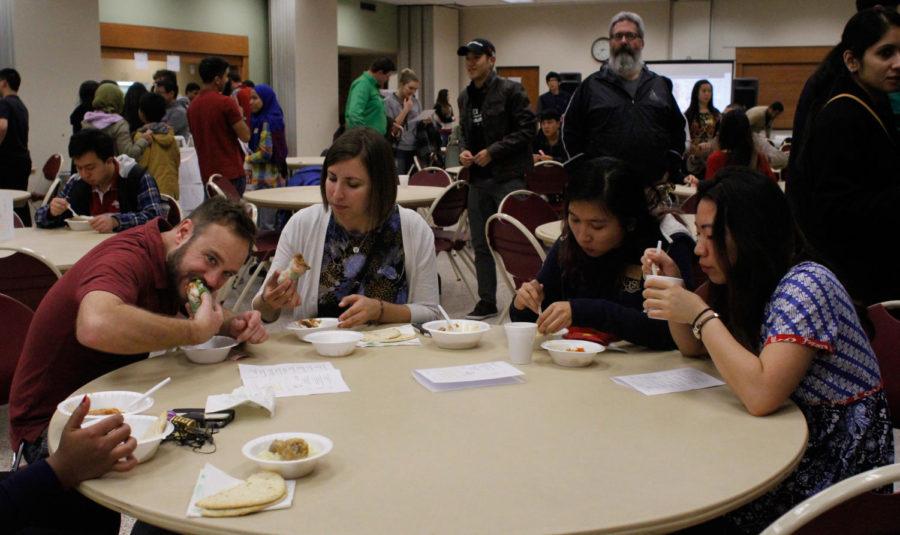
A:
[173, 215]
[886, 343]
[549, 178]
[25, 275]
[449, 210]
[17, 221]
[514, 248]
[217, 185]
[430, 176]
[16, 318]
[52, 166]
[463, 175]
[529, 208]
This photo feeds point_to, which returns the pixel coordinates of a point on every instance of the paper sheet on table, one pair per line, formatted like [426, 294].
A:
[264, 398]
[405, 330]
[469, 376]
[299, 379]
[212, 480]
[677, 380]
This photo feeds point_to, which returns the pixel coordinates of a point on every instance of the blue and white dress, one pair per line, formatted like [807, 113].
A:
[841, 394]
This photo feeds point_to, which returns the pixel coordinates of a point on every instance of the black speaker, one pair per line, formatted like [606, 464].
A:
[569, 81]
[745, 91]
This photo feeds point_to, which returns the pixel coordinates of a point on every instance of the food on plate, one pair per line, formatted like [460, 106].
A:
[297, 267]
[460, 328]
[389, 335]
[104, 412]
[309, 323]
[288, 450]
[196, 289]
[261, 490]
[575, 349]
[158, 427]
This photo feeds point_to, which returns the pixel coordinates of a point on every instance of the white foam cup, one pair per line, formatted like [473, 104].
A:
[520, 341]
[673, 281]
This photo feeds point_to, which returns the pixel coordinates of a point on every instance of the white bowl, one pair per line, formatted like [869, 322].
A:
[81, 222]
[319, 447]
[467, 335]
[560, 352]
[325, 324]
[139, 423]
[334, 343]
[214, 350]
[118, 399]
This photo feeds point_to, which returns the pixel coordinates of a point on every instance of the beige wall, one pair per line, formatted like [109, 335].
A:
[446, 62]
[53, 62]
[690, 30]
[367, 30]
[315, 75]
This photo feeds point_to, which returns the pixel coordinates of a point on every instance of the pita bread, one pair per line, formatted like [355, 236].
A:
[261, 488]
[239, 511]
[391, 334]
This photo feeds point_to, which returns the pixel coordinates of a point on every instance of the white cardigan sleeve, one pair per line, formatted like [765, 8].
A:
[421, 267]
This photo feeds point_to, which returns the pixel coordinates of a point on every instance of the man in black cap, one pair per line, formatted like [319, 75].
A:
[496, 129]
[555, 98]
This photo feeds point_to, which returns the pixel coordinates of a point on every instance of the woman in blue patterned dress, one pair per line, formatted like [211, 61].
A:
[777, 326]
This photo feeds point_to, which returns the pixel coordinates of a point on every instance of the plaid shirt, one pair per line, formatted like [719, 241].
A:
[148, 200]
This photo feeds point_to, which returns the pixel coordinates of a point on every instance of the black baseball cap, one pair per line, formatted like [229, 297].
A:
[477, 46]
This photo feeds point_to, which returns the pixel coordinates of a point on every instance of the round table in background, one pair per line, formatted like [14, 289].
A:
[19, 197]
[454, 170]
[297, 197]
[59, 246]
[296, 162]
[548, 233]
[567, 451]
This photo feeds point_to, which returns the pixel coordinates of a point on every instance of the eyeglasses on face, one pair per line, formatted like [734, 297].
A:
[628, 36]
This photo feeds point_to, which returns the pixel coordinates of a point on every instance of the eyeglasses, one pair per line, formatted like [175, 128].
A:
[628, 36]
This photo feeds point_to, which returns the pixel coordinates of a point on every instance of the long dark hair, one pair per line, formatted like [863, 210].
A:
[693, 111]
[754, 213]
[736, 137]
[613, 186]
[133, 104]
[377, 156]
[86, 92]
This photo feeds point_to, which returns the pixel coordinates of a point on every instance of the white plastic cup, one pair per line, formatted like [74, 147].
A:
[520, 341]
[673, 281]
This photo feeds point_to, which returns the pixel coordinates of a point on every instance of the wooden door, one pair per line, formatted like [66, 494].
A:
[529, 77]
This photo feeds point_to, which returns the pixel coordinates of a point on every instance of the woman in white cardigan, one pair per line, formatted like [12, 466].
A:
[370, 259]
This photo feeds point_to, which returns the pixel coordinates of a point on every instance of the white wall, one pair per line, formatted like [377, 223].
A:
[690, 30]
[367, 30]
[53, 62]
[446, 62]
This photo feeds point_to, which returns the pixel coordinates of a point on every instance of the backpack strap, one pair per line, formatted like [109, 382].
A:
[864, 105]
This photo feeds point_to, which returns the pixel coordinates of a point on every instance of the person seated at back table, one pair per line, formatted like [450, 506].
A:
[736, 147]
[592, 274]
[83, 453]
[371, 260]
[120, 302]
[777, 326]
[115, 190]
[548, 143]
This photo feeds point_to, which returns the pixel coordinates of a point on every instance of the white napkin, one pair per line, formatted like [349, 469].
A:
[213, 480]
[263, 398]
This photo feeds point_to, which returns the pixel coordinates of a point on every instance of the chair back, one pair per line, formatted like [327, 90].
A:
[26, 275]
[173, 217]
[529, 208]
[52, 191]
[547, 178]
[219, 186]
[689, 206]
[450, 205]
[52, 166]
[17, 221]
[16, 319]
[515, 248]
[430, 176]
[886, 343]
[463, 174]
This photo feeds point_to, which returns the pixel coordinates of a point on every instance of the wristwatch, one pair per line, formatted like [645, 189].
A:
[698, 326]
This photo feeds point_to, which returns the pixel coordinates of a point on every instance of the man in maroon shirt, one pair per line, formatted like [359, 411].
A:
[119, 303]
[217, 125]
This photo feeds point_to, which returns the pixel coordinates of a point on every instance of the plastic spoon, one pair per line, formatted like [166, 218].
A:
[159, 385]
[450, 326]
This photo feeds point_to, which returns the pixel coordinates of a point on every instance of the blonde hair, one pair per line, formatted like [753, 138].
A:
[406, 76]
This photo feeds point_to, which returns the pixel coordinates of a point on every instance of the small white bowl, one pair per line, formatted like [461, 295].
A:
[468, 333]
[560, 352]
[139, 423]
[325, 324]
[118, 399]
[81, 222]
[214, 350]
[319, 447]
[334, 343]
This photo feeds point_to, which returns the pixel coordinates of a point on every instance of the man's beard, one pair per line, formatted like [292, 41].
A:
[625, 61]
[176, 274]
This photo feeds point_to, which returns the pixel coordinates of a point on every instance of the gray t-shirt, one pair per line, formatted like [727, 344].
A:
[631, 86]
[392, 107]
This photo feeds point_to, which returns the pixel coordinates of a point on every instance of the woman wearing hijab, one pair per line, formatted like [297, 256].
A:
[107, 117]
[265, 165]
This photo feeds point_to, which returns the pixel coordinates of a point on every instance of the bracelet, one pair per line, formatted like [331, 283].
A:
[702, 312]
[698, 330]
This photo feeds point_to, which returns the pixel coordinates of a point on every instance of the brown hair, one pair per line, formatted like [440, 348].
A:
[222, 211]
[376, 155]
[406, 76]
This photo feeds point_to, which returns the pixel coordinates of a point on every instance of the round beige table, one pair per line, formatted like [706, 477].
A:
[18, 196]
[454, 170]
[566, 451]
[297, 197]
[296, 162]
[60, 246]
[549, 232]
